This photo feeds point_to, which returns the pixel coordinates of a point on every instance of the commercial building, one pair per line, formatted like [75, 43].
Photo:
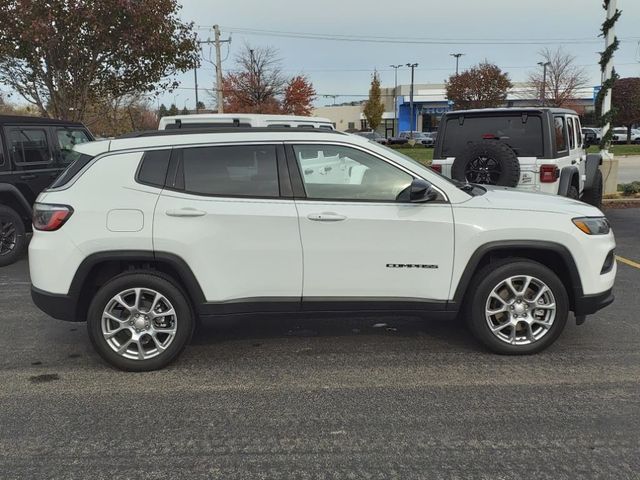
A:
[429, 104]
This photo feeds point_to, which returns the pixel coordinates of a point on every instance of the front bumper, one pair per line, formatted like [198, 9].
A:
[59, 306]
[588, 304]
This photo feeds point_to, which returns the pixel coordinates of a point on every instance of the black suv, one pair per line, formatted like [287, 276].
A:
[33, 152]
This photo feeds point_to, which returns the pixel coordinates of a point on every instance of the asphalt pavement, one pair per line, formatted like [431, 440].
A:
[303, 398]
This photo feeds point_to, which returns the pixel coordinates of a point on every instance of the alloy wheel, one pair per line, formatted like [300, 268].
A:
[483, 170]
[8, 236]
[139, 323]
[520, 310]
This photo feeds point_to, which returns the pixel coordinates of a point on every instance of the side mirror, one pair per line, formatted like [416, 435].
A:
[420, 191]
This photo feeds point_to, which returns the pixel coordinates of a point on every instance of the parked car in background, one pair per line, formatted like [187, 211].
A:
[621, 134]
[375, 136]
[592, 135]
[532, 149]
[423, 138]
[204, 120]
[33, 152]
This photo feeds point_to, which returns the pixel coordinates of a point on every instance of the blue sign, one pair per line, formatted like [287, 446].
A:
[596, 91]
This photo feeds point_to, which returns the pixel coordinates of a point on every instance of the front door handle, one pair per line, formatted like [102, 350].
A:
[185, 212]
[326, 217]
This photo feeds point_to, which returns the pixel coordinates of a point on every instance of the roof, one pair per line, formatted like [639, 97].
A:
[512, 110]
[179, 138]
[11, 119]
[214, 129]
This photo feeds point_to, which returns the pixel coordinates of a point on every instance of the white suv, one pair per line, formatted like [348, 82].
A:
[143, 235]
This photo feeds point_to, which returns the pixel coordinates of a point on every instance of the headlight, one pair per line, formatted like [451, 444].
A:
[592, 225]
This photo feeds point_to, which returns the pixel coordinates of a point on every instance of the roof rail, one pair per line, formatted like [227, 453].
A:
[195, 131]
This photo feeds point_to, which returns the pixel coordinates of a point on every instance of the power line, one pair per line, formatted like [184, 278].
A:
[415, 40]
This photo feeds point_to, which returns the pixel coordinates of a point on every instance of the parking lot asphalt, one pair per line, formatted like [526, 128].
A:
[300, 398]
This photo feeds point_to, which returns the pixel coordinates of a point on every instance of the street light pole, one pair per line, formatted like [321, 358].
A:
[395, 98]
[543, 96]
[412, 66]
[457, 56]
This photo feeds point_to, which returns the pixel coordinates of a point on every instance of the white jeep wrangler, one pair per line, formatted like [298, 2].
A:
[532, 149]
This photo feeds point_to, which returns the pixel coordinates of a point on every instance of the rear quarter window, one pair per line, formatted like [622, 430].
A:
[78, 162]
[153, 168]
[523, 135]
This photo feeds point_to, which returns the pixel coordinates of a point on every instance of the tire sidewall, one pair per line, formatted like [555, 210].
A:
[488, 279]
[501, 153]
[185, 323]
[11, 215]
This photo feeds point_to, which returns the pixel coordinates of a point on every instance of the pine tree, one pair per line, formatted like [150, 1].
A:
[374, 107]
[173, 110]
[162, 111]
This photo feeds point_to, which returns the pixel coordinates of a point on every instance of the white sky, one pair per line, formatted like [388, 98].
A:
[344, 68]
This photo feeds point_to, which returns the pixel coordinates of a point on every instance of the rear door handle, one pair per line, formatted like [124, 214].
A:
[326, 217]
[185, 212]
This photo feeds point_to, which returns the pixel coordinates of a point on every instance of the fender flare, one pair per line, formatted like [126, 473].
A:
[17, 194]
[566, 175]
[591, 164]
[511, 245]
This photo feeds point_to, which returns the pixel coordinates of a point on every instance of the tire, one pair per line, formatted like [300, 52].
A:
[135, 320]
[572, 192]
[593, 196]
[13, 239]
[493, 277]
[489, 163]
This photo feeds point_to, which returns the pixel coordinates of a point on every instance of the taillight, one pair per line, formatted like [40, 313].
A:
[49, 217]
[436, 167]
[549, 173]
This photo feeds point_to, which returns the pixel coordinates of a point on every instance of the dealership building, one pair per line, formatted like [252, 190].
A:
[429, 104]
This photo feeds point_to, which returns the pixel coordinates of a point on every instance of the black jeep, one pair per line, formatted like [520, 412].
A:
[33, 152]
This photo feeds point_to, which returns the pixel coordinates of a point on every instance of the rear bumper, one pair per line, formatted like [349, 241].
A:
[588, 304]
[61, 307]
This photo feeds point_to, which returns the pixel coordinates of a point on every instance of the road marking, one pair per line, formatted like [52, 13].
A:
[626, 261]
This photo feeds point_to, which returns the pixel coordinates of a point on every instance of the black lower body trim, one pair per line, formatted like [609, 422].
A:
[588, 304]
[62, 307]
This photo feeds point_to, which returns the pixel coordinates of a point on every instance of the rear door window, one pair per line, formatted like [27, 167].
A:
[29, 146]
[522, 133]
[560, 133]
[234, 171]
[572, 136]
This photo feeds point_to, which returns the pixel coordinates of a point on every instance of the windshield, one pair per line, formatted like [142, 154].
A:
[522, 133]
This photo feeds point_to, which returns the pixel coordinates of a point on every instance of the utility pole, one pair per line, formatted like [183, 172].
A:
[395, 99]
[412, 66]
[457, 56]
[219, 92]
[607, 73]
[543, 96]
[195, 77]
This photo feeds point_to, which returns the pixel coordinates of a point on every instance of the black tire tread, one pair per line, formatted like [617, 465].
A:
[499, 151]
[21, 237]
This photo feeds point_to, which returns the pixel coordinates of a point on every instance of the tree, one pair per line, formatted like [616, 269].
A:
[113, 116]
[184, 111]
[482, 86]
[563, 78]
[374, 108]
[200, 106]
[162, 111]
[625, 101]
[173, 110]
[299, 95]
[258, 85]
[62, 56]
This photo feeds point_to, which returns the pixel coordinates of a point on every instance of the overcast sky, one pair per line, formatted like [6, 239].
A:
[489, 28]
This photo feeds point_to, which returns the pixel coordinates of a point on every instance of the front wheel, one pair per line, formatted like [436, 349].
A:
[139, 321]
[593, 196]
[518, 307]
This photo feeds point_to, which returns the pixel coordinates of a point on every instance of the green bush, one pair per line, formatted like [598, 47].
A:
[629, 189]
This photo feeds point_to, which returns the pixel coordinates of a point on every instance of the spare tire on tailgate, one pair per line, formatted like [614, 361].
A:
[487, 162]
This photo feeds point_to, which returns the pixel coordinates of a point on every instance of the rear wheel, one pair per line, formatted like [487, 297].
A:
[573, 192]
[517, 307]
[139, 321]
[13, 240]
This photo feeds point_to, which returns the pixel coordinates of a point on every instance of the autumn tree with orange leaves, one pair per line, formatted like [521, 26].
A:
[257, 85]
